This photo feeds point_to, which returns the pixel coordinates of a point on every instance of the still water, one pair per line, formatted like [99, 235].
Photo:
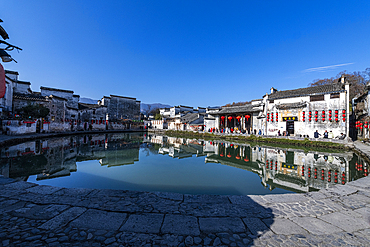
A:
[149, 162]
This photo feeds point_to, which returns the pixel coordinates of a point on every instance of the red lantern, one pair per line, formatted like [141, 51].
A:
[230, 117]
[323, 112]
[247, 117]
[316, 119]
[223, 117]
[344, 119]
[344, 111]
[336, 119]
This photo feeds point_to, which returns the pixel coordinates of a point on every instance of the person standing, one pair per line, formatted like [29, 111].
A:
[331, 135]
[326, 134]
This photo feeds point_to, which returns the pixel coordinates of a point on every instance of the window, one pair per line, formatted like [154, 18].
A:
[334, 95]
[317, 98]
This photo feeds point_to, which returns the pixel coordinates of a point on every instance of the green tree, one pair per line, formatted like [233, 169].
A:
[158, 116]
[34, 111]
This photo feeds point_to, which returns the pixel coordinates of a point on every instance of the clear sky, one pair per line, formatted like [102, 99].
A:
[196, 53]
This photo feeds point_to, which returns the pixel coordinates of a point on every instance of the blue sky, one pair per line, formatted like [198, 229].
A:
[197, 53]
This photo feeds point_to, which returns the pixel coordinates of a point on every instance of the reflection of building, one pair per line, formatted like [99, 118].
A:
[58, 156]
[180, 147]
[290, 169]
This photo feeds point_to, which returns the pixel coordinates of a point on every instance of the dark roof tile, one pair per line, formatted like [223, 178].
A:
[323, 89]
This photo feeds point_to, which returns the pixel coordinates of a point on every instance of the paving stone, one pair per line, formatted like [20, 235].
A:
[345, 222]
[40, 211]
[63, 218]
[145, 223]
[98, 219]
[110, 240]
[4, 180]
[362, 183]
[19, 185]
[316, 226]
[206, 199]
[74, 192]
[169, 196]
[285, 198]
[197, 240]
[217, 241]
[284, 226]
[43, 189]
[255, 225]
[189, 241]
[221, 225]
[10, 205]
[180, 224]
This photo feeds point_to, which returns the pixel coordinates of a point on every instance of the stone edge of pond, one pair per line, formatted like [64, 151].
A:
[6, 140]
[352, 187]
[289, 140]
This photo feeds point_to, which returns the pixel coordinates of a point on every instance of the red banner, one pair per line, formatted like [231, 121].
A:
[2, 82]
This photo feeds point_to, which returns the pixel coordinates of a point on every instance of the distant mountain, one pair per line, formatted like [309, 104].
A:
[144, 107]
[88, 101]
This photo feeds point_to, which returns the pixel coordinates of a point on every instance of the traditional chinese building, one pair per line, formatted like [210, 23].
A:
[301, 112]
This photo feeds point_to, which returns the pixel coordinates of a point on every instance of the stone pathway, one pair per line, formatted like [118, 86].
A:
[38, 215]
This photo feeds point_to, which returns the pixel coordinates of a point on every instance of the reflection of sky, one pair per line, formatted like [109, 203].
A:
[163, 173]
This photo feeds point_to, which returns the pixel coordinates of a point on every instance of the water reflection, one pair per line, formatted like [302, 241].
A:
[58, 157]
[278, 169]
[290, 169]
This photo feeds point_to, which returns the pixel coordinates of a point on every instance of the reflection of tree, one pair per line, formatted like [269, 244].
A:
[27, 165]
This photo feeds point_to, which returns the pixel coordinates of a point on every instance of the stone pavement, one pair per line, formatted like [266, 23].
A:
[38, 215]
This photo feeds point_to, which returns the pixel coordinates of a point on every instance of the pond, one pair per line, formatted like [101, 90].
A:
[148, 162]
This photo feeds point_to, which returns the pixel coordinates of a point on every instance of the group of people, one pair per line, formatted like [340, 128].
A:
[329, 135]
[285, 133]
[228, 130]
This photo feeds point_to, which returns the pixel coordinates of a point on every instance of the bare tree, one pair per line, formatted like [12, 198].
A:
[357, 79]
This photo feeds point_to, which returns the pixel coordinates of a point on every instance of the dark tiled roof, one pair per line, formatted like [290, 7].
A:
[190, 117]
[123, 97]
[82, 106]
[291, 105]
[323, 89]
[72, 108]
[239, 109]
[11, 72]
[57, 97]
[33, 97]
[56, 89]
[24, 82]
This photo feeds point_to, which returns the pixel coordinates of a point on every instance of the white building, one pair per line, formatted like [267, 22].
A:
[302, 111]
